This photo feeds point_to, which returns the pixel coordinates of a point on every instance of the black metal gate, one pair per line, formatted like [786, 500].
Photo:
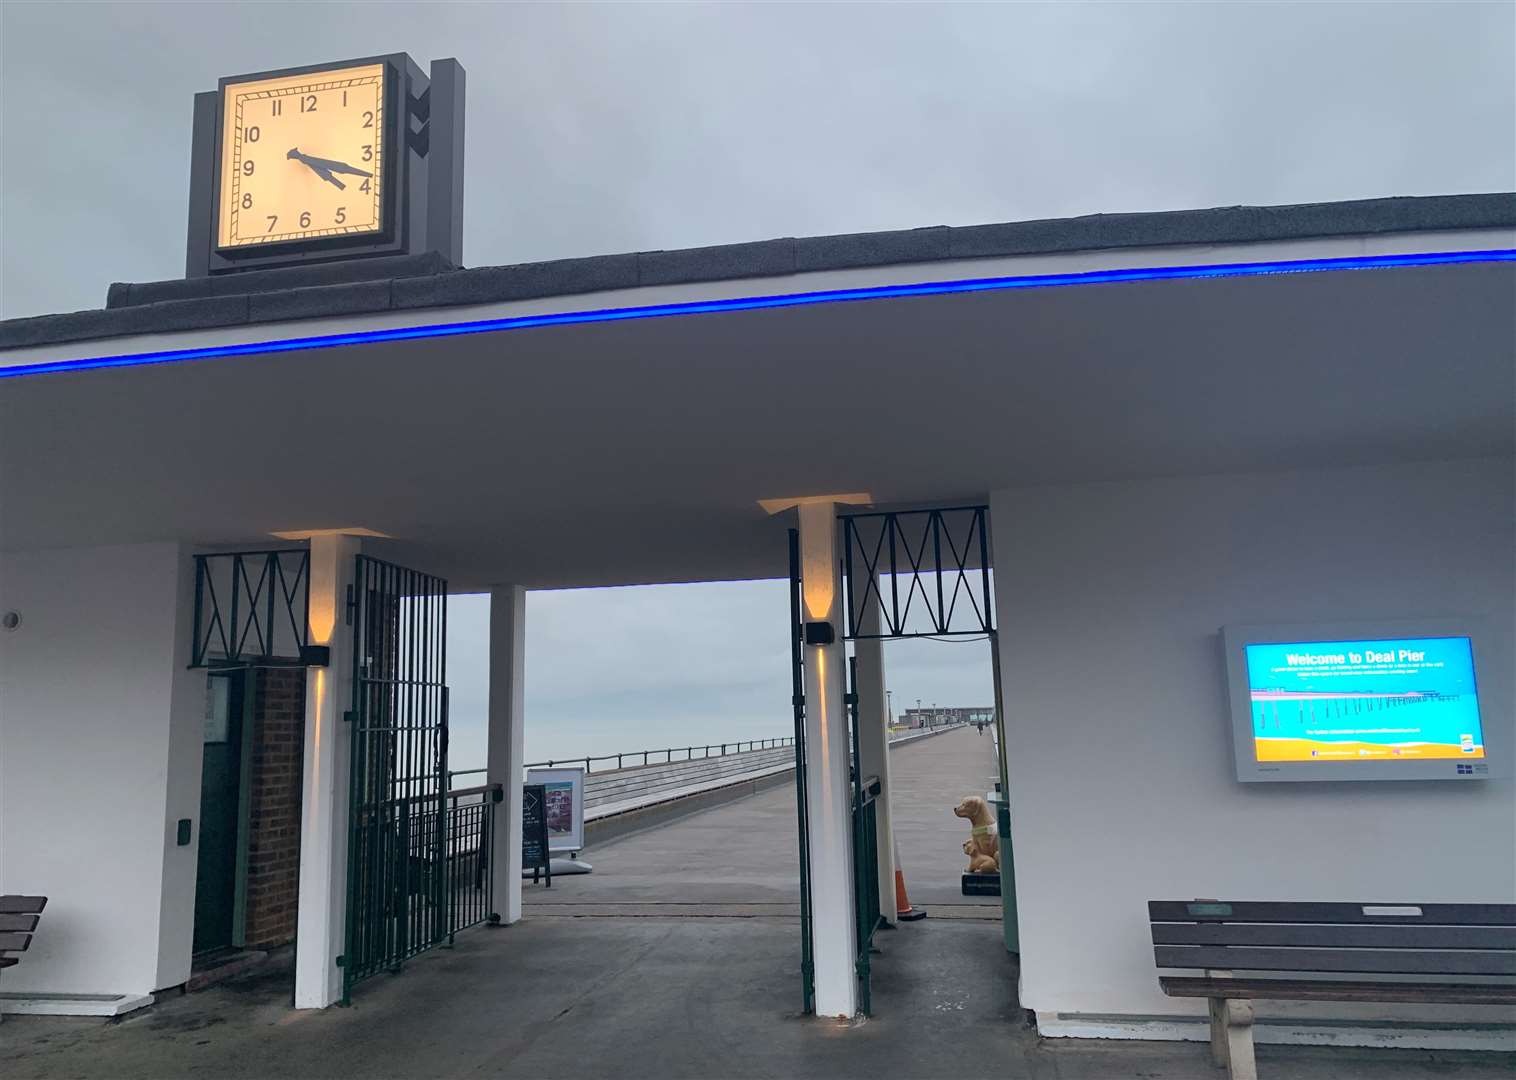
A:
[399, 895]
[797, 699]
[865, 790]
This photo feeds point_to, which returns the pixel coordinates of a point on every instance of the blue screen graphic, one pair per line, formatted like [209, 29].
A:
[1365, 700]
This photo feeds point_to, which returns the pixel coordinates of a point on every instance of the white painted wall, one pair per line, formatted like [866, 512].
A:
[100, 737]
[1122, 789]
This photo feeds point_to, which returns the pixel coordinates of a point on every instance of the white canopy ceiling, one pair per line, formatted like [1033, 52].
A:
[637, 451]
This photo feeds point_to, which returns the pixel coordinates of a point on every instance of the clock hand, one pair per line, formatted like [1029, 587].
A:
[319, 166]
[333, 166]
[343, 167]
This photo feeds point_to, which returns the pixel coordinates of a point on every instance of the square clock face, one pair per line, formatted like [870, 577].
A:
[302, 157]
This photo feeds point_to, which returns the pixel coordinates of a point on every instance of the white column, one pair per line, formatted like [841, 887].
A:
[873, 745]
[507, 728]
[322, 919]
[828, 797]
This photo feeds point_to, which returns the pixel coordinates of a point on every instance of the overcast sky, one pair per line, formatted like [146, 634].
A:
[606, 128]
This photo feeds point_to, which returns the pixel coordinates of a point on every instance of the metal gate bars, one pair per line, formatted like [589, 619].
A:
[399, 888]
[866, 790]
[797, 699]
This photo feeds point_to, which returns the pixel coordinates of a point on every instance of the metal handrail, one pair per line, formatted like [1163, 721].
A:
[648, 755]
[482, 789]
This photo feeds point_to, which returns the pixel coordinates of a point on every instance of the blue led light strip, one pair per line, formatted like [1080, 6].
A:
[750, 303]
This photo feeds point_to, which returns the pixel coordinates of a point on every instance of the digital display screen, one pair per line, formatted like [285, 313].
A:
[1364, 700]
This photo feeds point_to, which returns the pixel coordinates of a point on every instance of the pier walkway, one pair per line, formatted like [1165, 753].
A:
[743, 854]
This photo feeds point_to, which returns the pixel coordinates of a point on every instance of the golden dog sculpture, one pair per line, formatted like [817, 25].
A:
[983, 846]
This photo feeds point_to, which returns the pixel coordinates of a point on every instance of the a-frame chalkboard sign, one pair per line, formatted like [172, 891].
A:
[534, 853]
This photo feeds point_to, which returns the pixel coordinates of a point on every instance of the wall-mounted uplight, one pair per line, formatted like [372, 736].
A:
[316, 655]
[820, 633]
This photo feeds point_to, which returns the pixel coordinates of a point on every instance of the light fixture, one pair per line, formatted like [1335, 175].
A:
[819, 633]
[316, 655]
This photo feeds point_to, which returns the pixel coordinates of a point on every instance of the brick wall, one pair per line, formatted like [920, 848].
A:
[273, 851]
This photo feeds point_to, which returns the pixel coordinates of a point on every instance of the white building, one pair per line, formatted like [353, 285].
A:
[1177, 422]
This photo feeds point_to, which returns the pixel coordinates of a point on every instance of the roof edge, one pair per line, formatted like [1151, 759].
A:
[423, 282]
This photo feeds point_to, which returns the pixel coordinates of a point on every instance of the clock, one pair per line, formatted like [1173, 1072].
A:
[302, 157]
[327, 163]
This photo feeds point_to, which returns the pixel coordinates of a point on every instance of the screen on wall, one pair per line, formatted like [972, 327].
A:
[1387, 700]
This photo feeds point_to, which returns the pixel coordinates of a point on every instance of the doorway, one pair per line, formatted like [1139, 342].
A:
[222, 790]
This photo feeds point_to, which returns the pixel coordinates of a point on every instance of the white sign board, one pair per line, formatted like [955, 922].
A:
[565, 806]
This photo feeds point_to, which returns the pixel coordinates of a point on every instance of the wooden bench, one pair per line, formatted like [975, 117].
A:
[18, 918]
[1400, 945]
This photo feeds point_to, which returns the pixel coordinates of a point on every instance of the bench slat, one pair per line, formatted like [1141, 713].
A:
[1335, 990]
[1253, 911]
[14, 942]
[1414, 936]
[24, 923]
[22, 905]
[1363, 961]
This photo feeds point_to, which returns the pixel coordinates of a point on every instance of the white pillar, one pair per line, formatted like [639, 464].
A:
[322, 919]
[507, 728]
[828, 795]
[873, 745]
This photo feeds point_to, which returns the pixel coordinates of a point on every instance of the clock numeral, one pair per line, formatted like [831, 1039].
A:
[344, 99]
[273, 219]
[341, 214]
[368, 152]
[247, 168]
[368, 119]
[278, 106]
[305, 219]
[308, 103]
[247, 200]
[251, 134]
[365, 185]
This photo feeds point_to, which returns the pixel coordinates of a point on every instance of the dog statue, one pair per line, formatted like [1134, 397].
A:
[983, 846]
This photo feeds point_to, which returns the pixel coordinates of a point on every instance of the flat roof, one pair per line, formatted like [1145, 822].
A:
[404, 283]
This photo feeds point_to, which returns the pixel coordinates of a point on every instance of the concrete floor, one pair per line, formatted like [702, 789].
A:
[677, 958]
[675, 997]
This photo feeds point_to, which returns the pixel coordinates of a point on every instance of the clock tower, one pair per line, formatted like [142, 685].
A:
[328, 163]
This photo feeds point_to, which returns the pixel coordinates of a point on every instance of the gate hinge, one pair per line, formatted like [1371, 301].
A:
[850, 699]
[798, 701]
[351, 603]
[350, 715]
[342, 961]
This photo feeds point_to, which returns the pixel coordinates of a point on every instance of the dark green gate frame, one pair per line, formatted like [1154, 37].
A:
[929, 573]
[399, 890]
[866, 790]
[797, 700]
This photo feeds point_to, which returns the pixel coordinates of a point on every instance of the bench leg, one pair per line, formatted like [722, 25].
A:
[1217, 1007]
[1238, 1017]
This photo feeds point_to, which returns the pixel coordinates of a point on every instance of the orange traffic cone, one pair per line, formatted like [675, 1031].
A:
[903, 910]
